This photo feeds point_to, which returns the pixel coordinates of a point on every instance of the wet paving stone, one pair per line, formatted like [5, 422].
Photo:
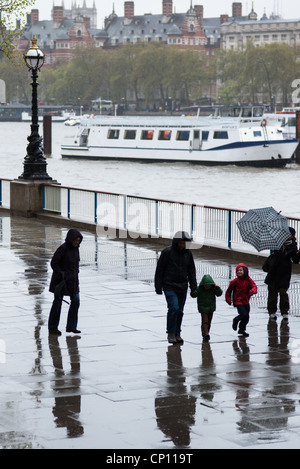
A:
[119, 384]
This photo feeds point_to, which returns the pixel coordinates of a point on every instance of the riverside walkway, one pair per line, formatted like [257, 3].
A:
[119, 384]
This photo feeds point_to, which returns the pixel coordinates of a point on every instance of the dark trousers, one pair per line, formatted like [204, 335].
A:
[55, 311]
[243, 316]
[284, 303]
[175, 302]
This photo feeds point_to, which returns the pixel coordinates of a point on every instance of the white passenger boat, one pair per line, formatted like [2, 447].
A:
[180, 139]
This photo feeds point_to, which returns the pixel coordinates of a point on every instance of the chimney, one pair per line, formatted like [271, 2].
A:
[87, 22]
[58, 15]
[167, 7]
[236, 9]
[34, 17]
[199, 12]
[224, 19]
[129, 10]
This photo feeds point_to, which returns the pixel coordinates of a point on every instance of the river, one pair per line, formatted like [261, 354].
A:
[229, 186]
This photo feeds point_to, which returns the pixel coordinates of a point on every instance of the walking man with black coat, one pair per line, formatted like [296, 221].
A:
[175, 271]
[65, 282]
[279, 268]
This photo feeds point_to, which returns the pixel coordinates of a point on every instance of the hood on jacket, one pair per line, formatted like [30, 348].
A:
[206, 280]
[180, 236]
[73, 234]
[245, 269]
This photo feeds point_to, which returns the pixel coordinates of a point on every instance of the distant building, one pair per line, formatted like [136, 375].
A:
[69, 28]
[86, 12]
[236, 32]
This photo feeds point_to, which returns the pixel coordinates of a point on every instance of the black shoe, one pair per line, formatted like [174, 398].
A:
[206, 338]
[54, 331]
[243, 333]
[75, 331]
[179, 339]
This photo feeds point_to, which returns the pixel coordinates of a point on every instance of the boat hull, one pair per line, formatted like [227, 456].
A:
[270, 154]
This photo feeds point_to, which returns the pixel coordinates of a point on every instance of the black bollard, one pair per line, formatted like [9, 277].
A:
[47, 129]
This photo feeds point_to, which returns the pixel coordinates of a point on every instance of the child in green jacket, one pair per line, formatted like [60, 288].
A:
[206, 294]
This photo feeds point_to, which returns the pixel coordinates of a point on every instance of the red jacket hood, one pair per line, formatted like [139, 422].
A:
[245, 268]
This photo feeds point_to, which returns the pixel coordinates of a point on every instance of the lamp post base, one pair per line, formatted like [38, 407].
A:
[35, 171]
[35, 164]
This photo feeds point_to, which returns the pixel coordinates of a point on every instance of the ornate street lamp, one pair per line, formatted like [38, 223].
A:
[35, 163]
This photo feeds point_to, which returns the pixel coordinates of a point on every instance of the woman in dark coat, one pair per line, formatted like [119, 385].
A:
[65, 281]
[279, 275]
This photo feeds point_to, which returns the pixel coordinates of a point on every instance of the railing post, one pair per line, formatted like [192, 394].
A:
[229, 229]
[125, 212]
[43, 199]
[192, 221]
[69, 203]
[95, 208]
[156, 217]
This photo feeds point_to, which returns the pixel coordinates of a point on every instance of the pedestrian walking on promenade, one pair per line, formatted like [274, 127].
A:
[279, 268]
[239, 292]
[175, 271]
[206, 294]
[65, 282]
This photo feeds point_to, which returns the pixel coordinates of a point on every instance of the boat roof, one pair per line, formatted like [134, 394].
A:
[157, 121]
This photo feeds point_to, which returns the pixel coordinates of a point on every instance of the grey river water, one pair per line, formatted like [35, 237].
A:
[229, 187]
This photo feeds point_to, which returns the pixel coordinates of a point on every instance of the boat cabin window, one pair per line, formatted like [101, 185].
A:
[291, 122]
[130, 134]
[164, 135]
[220, 134]
[183, 135]
[113, 133]
[257, 133]
[205, 134]
[147, 135]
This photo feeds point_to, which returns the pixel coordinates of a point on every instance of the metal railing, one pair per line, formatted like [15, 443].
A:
[145, 217]
[120, 215]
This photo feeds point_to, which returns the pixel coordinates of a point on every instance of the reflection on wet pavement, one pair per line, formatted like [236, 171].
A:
[120, 384]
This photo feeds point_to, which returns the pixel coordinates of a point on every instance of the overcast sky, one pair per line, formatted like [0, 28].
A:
[287, 8]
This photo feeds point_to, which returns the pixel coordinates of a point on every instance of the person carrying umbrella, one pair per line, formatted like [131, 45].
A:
[279, 268]
[65, 281]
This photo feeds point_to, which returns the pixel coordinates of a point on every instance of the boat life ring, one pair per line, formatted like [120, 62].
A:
[263, 123]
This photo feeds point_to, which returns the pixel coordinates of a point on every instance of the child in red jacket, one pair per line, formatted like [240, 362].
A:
[239, 292]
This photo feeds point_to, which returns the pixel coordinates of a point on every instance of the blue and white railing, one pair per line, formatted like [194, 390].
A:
[136, 216]
[122, 216]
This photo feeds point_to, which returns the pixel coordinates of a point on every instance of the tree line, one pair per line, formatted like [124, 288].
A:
[153, 73]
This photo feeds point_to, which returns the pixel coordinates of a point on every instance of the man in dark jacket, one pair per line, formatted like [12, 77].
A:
[65, 281]
[279, 275]
[174, 272]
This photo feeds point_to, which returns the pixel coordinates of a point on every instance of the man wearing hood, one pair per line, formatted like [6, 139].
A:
[279, 268]
[65, 281]
[175, 271]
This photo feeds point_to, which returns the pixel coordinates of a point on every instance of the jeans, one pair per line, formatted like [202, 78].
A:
[243, 316]
[175, 302]
[55, 311]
